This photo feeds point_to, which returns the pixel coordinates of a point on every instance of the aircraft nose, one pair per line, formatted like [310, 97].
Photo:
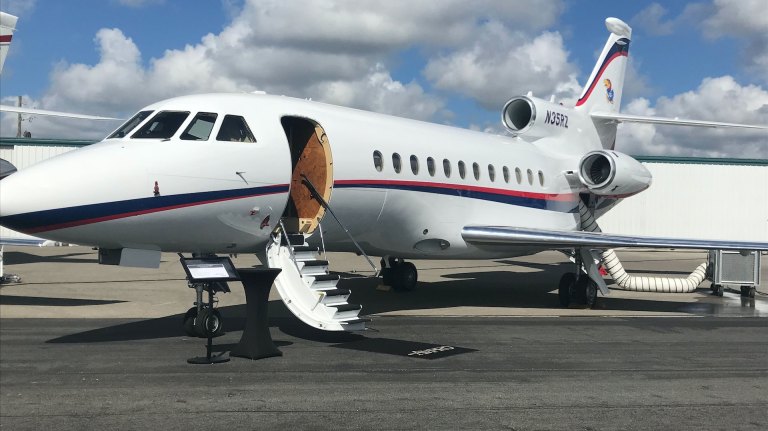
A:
[16, 199]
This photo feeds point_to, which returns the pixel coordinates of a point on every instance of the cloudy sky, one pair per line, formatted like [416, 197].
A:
[450, 61]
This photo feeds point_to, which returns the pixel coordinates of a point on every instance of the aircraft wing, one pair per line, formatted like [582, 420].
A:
[21, 110]
[23, 241]
[556, 239]
[619, 117]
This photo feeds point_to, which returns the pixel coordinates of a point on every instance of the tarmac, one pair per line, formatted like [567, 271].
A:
[478, 345]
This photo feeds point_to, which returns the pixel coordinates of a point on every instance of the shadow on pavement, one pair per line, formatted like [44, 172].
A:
[52, 302]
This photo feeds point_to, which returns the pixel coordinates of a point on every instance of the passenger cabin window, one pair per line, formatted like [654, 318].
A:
[518, 175]
[396, 163]
[415, 165]
[235, 129]
[431, 166]
[447, 168]
[200, 127]
[462, 170]
[378, 161]
[506, 174]
[491, 173]
[541, 178]
[530, 177]
[476, 170]
[130, 124]
[162, 126]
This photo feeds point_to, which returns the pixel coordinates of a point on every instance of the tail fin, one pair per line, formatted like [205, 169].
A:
[7, 26]
[604, 87]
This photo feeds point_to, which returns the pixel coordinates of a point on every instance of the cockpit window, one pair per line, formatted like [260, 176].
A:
[162, 126]
[200, 127]
[130, 125]
[234, 128]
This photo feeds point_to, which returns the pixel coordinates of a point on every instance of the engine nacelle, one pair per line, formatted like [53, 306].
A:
[536, 118]
[611, 173]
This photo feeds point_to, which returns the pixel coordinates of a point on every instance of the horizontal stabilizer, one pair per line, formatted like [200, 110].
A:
[21, 110]
[554, 239]
[618, 117]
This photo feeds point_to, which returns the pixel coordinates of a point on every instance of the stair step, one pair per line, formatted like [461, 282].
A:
[305, 249]
[337, 292]
[327, 277]
[294, 238]
[347, 307]
[316, 263]
[355, 321]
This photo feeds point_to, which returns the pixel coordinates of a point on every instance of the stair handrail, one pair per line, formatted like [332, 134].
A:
[315, 194]
[290, 247]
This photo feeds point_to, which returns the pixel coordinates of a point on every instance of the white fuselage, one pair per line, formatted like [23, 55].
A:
[215, 196]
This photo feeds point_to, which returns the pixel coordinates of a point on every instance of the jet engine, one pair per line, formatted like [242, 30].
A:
[536, 118]
[611, 173]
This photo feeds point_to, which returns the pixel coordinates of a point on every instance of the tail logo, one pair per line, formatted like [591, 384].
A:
[608, 90]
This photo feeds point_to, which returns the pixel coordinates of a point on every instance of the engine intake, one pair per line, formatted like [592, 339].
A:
[536, 118]
[611, 173]
[518, 114]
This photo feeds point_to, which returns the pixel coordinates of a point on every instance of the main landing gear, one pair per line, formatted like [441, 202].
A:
[399, 274]
[581, 291]
[202, 320]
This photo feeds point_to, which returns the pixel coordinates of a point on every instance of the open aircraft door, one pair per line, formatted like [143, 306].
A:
[312, 167]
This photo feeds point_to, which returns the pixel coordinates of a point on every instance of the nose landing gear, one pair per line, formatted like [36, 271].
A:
[399, 274]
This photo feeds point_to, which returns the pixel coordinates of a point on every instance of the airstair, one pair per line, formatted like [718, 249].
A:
[307, 288]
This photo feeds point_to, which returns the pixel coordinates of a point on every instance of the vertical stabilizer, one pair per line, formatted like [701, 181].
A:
[7, 26]
[606, 83]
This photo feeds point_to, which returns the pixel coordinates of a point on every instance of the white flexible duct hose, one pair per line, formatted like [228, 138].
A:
[637, 283]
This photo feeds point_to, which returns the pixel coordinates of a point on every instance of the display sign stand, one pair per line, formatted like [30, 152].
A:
[204, 273]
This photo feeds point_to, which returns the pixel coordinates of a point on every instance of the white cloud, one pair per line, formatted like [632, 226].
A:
[335, 51]
[653, 20]
[746, 19]
[716, 99]
[138, 3]
[501, 63]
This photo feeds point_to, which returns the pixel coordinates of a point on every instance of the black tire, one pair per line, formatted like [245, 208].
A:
[405, 277]
[752, 291]
[386, 276]
[189, 322]
[718, 290]
[579, 290]
[565, 287]
[590, 294]
[209, 323]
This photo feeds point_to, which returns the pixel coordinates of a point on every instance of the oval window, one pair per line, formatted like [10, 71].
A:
[530, 177]
[431, 166]
[518, 175]
[491, 173]
[476, 170]
[505, 170]
[415, 165]
[378, 161]
[396, 162]
[462, 170]
[447, 168]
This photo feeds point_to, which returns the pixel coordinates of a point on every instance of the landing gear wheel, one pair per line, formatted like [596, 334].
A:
[208, 323]
[567, 281]
[717, 289]
[748, 291]
[189, 322]
[579, 290]
[590, 294]
[405, 277]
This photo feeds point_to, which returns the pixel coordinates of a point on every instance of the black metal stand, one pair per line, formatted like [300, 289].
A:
[256, 341]
[209, 358]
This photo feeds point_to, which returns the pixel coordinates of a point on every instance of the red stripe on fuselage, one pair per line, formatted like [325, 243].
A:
[568, 197]
[6, 38]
